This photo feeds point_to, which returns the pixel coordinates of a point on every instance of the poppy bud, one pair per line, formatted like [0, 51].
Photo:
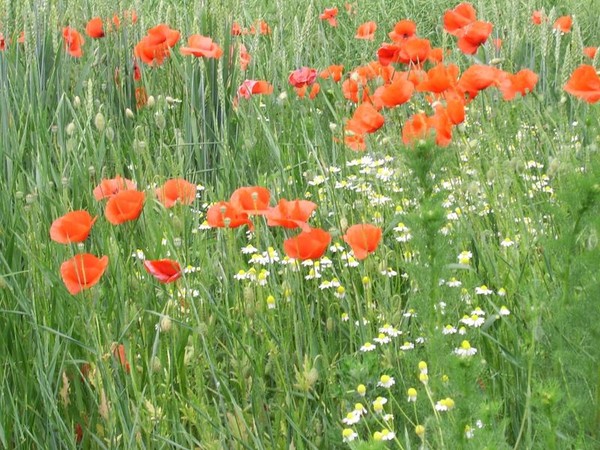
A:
[129, 113]
[3, 283]
[100, 121]
[19, 195]
[159, 120]
[177, 225]
[92, 170]
[343, 224]
[329, 324]
[70, 129]
[76, 102]
[138, 145]
[166, 324]
[156, 364]
[110, 133]
[71, 144]
[553, 167]
[151, 102]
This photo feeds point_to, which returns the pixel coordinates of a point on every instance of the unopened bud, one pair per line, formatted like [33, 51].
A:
[100, 121]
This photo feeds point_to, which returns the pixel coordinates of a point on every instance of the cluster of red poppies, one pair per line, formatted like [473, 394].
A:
[125, 203]
[311, 243]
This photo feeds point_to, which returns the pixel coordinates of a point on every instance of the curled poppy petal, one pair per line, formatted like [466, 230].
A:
[164, 270]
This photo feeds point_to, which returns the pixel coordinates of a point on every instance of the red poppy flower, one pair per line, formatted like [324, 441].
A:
[363, 238]
[236, 29]
[314, 90]
[109, 187]
[82, 271]
[459, 17]
[366, 119]
[330, 14]
[201, 46]
[225, 215]
[263, 27]
[155, 46]
[563, 24]
[251, 199]
[308, 244]
[394, 94]
[415, 128]
[477, 78]
[73, 42]
[584, 84]
[254, 87]
[590, 52]
[95, 28]
[473, 35]
[355, 142]
[333, 71]
[124, 206]
[414, 51]
[2, 42]
[537, 17]
[72, 227]
[440, 78]
[291, 214]
[137, 73]
[403, 30]
[521, 82]
[244, 57]
[305, 76]
[164, 270]
[366, 31]
[176, 190]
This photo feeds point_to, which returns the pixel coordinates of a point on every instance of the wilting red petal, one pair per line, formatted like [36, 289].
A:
[164, 270]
